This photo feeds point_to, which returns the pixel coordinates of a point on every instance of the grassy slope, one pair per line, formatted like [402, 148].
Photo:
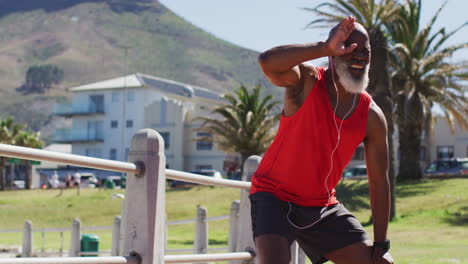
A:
[432, 226]
[90, 37]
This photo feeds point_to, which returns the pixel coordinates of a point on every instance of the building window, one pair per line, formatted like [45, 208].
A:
[113, 154]
[114, 124]
[203, 167]
[130, 96]
[444, 152]
[126, 153]
[96, 103]
[115, 97]
[129, 123]
[204, 144]
[359, 154]
[93, 152]
[167, 138]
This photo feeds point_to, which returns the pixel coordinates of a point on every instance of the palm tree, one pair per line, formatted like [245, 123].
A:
[30, 139]
[373, 16]
[421, 77]
[246, 123]
[8, 133]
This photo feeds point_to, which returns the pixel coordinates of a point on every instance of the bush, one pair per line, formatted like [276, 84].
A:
[40, 78]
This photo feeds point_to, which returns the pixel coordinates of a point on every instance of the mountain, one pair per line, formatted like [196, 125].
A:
[93, 40]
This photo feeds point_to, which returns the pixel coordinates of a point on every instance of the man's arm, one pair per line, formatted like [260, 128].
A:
[376, 149]
[281, 65]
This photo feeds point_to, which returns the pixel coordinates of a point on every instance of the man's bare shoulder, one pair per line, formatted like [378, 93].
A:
[376, 122]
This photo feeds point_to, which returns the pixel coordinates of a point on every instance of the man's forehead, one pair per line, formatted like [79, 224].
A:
[360, 28]
[357, 27]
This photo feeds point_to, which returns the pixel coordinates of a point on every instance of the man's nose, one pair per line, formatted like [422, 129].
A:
[361, 55]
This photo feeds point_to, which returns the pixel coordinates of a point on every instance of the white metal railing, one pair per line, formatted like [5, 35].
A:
[73, 260]
[144, 225]
[97, 163]
[195, 178]
[70, 159]
[209, 257]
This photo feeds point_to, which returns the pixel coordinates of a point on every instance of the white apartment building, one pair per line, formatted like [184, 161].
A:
[106, 114]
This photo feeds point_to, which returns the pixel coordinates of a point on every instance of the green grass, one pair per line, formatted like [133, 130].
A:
[431, 227]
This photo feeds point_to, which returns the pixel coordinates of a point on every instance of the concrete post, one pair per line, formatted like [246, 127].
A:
[245, 240]
[27, 240]
[143, 218]
[116, 236]
[301, 259]
[75, 246]
[201, 232]
[233, 226]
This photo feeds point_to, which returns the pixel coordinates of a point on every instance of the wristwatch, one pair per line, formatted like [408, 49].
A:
[385, 245]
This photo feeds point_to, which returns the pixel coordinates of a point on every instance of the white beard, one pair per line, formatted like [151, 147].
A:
[349, 83]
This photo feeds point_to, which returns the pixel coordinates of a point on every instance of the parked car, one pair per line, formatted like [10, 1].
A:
[358, 171]
[453, 166]
[211, 173]
[117, 182]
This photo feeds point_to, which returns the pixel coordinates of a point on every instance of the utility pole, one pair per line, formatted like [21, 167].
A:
[124, 106]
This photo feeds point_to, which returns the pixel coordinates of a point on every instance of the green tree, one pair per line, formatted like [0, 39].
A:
[30, 139]
[41, 77]
[8, 134]
[373, 16]
[246, 123]
[421, 77]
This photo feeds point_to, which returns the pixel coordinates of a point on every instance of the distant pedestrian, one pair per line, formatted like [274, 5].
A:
[76, 179]
[68, 180]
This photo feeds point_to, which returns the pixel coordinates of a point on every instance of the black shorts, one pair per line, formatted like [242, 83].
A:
[317, 230]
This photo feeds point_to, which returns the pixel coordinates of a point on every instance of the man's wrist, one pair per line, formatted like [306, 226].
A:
[384, 245]
[325, 49]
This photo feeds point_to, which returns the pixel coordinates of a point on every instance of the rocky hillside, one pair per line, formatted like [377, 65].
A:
[92, 40]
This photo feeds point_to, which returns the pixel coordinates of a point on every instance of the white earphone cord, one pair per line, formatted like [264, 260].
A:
[338, 129]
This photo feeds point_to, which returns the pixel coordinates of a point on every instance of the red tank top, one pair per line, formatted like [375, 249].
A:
[296, 164]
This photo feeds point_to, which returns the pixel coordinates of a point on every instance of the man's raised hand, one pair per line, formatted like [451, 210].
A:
[340, 33]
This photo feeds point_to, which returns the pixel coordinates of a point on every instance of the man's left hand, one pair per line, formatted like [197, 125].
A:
[380, 256]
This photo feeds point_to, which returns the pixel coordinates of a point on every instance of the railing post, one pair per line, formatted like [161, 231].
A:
[143, 218]
[233, 226]
[116, 236]
[301, 259]
[245, 240]
[27, 240]
[201, 232]
[75, 246]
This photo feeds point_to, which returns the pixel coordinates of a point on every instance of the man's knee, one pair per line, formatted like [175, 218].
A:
[357, 253]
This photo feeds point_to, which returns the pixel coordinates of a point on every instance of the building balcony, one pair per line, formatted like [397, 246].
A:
[78, 136]
[73, 109]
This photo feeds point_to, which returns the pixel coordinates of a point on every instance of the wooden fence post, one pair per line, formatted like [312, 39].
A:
[116, 236]
[27, 240]
[75, 246]
[233, 226]
[144, 211]
[201, 232]
[245, 240]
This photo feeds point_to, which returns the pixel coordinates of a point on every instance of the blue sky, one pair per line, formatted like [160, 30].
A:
[262, 24]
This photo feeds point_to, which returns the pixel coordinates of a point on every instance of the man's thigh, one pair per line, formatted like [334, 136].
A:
[357, 253]
[272, 235]
[272, 249]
